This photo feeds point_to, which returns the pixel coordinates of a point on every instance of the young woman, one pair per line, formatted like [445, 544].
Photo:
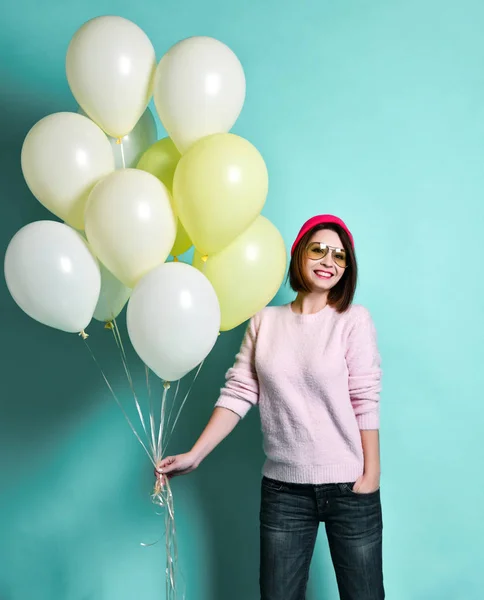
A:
[313, 368]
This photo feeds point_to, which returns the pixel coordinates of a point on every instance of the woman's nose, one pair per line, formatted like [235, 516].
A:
[327, 261]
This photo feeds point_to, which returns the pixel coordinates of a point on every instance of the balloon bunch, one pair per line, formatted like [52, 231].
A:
[128, 201]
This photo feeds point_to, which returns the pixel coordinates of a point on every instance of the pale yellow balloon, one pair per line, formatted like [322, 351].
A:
[248, 273]
[219, 189]
[130, 224]
[183, 243]
[161, 160]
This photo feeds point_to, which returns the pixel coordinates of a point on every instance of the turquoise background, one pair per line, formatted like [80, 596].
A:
[373, 110]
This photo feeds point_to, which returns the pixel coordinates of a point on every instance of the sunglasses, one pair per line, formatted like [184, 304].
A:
[317, 251]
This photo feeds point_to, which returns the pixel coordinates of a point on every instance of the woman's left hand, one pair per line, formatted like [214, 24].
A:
[367, 483]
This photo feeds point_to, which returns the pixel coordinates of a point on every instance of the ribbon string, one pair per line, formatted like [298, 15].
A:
[155, 446]
[133, 429]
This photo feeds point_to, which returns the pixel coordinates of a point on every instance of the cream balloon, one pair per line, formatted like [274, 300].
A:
[110, 68]
[63, 156]
[248, 273]
[130, 148]
[173, 319]
[199, 90]
[112, 297]
[130, 223]
[53, 276]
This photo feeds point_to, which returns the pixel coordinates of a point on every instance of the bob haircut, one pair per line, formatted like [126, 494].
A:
[341, 296]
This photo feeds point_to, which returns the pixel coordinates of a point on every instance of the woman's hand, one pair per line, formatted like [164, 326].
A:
[171, 466]
[367, 483]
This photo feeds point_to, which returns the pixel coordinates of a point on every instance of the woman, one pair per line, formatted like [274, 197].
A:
[313, 368]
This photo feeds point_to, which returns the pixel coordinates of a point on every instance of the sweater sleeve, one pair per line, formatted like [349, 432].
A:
[363, 361]
[241, 390]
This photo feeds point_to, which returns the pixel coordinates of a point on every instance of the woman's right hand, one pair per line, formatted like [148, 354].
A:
[221, 423]
[181, 464]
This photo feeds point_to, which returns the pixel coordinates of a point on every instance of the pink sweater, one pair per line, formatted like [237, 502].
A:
[316, 380]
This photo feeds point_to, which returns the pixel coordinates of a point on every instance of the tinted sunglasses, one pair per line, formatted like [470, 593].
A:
[317, 251]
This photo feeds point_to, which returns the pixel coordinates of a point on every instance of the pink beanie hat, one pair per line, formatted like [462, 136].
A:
[321, 220]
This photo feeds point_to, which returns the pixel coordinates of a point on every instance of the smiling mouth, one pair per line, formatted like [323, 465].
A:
[323, 274]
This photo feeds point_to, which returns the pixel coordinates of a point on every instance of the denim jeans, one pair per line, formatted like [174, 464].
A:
[289, 520]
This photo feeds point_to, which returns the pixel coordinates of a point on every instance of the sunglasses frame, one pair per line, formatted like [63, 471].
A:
[333, 251]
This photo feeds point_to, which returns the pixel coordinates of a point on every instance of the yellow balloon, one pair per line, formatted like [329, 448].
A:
[219, 189]
[161, 160]
[182, 241]
[248, 273]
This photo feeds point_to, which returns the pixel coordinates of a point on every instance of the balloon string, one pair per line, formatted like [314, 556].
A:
[152, 411]
[119, 403]
[124, 360]
[166, 387]
[162, 496]
[181, 408]
[173, 402]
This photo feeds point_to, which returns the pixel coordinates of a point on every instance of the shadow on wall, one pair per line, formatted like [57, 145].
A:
[72, 519]
[64, 527]
[36, 384]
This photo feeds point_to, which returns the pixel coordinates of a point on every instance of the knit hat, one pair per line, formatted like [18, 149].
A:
[320, 220]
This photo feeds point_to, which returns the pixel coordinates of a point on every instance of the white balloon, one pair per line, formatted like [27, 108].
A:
[173, 319]
[112, 298]
[130, 224]
[144, 135]
[110, 67]
[52, 275]
[199, 90]
[63, 156]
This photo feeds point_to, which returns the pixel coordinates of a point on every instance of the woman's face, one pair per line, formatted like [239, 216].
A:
[324, 272]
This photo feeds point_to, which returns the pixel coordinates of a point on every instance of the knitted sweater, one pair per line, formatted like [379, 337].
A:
[316, 380]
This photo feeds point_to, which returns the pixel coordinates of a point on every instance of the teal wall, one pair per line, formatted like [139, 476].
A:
[373, 110]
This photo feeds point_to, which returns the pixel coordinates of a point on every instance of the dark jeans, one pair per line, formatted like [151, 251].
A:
[289, 521]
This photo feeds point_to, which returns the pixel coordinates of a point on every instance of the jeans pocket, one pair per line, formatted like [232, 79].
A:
[273, 485]
[348, 487]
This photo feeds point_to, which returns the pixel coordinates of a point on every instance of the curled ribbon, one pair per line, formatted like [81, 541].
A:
[162, 496]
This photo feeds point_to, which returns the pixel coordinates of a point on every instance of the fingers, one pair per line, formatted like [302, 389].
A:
[167, 462]
[167, 465]
[357, 484]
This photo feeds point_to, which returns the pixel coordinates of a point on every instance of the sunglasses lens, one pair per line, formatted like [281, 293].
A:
[316, 251]
[339, 257]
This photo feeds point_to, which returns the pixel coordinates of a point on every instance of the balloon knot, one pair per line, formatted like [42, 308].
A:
[166, 385]
[108, 325]
[175, 259]
[205, 257]
[83, 334]
[119, 141]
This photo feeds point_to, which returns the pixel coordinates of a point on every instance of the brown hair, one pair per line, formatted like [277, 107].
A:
[341, 296]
